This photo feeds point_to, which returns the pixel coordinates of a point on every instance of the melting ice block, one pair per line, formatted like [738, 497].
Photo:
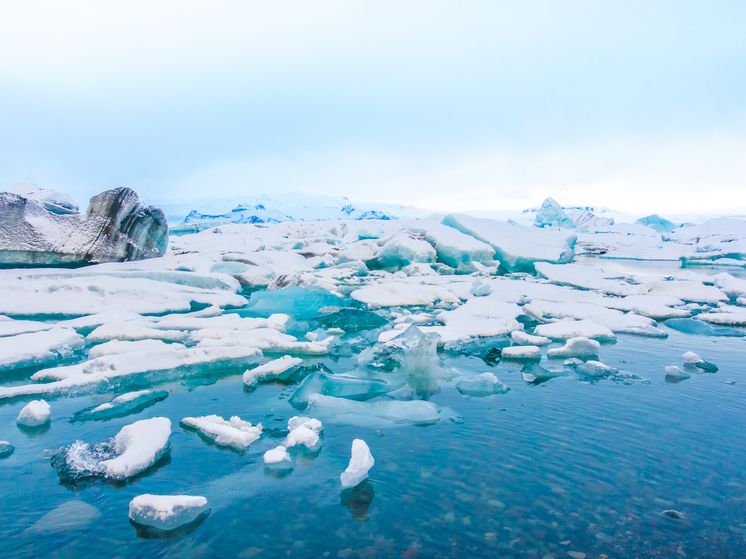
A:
[405, 248]
[692, 359]
[361, 462]
[674, 374]
[536, 374]
[298, 302]
[485, 384]
[279, 369]
[236, 433]
[6, 449]
[303, 431]
[278, 458]
[139, 446]
[34, 414]
[521, 338]
[340, 386]
[120, 406]
[590, 368]
[167, 512]
[415, 412]
[517, 247]
[551, 214]
[576, 347]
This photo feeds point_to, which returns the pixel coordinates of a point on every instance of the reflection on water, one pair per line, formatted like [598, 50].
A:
[567, 465]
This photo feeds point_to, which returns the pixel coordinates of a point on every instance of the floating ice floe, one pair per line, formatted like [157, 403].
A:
[521, 338]
[123, 405]
[116, 347]
[6, 449]
[341, 410]
[235, 433]
[576, 347]
[699, 328]
[485, 384]
[35, 413]
[536, 374]
[37, 348]
[265, 339]
[278, 369]
[674, 374]
[361, 462]
[139, 446]
[109, 368]
[167, 512]
[340, 386]
[132, 332]
[482, 317]
[278, 458]
[693, 360]
[521, 352]
[303, 431]
[590, 368]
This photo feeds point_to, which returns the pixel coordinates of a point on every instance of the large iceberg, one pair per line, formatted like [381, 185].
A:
[115, 227]
[551, 214]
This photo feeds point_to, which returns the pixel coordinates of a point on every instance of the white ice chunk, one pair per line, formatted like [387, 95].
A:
[265, 339]
[403, 249]
[10, 327]
[522, 352]
[691, 358]
[590, 367]
[566, 329]
[271, 369]
[303, 431]
[36, 412]
[139, 445]
[166, 512]
[485, 384]
[480, 317]
[361, 462]
[521, 338]
[277, 456]
[576, 347]
[693, 291]
[454, 248]
[38, 347]
[399, 294]
[674, 373]
[235, 433]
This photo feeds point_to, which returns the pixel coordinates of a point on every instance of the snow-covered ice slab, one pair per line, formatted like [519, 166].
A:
[110, 368]
[167, 512]
[276, 369]
[360, 464]
[566, 329]
[576, 347]
[116, 347]
[128, 331]
[42, 294]
[517, 247]
[138, 445]
[265, 339]
[478, 317]
[521, 338]
[485, 384]
[235, 433]
[341, 410]
[522, 352]
[454, 248]
[9, 327]
[37, 348]
[401, 294]
[34, 414]
[121, 406]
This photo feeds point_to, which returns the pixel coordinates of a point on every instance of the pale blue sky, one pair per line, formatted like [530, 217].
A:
[445, 105]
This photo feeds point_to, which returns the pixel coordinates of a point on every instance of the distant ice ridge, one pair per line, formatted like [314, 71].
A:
[278, 208]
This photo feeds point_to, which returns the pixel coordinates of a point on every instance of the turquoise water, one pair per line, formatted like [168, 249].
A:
[566, 466]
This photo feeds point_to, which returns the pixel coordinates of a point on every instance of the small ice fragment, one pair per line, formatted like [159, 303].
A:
[576, 347]
[521, 338]
[675, 374]
[139, 445]
[590, 368]
[480, 288]
[36, 412]
[278, 457]
[126, 404]
[167, 512]
[676, 515]
[303, 431]
[360, 462]
[521, 352]
[236, 433]
[485, 384]
[691, 358]
[6, 449]
[536, 374]
[274, 369]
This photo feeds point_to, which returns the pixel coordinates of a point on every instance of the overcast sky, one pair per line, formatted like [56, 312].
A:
[640, 106]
